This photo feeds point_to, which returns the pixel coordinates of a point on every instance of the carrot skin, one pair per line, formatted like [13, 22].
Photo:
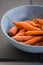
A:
[34, 33]
[13, 30]
[40, 21]
[21, 32]
[38, 44]
[33, 40]
[22, 38]
[26, 26]
[31, 23]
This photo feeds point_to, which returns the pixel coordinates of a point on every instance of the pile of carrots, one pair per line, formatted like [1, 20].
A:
[28, 32]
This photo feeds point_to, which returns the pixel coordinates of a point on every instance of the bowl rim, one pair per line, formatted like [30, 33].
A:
[8, 35]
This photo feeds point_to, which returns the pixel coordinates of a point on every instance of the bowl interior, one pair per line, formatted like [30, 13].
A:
[20, 13]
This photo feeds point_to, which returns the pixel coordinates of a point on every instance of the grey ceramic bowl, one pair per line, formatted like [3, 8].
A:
[18, 14]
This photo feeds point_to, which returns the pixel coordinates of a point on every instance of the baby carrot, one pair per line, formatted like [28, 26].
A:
[36, 44]
[41, 40]
[33, 40]
[26, 26]
[13, 30]
[34, 20]
[40, 21]
[22, 38]
[31, 22]
[41, 43]
[21, 32]
[42, 28]
[34, 32]
[38, 25]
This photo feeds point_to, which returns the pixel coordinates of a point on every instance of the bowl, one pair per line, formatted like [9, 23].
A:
[18, 14]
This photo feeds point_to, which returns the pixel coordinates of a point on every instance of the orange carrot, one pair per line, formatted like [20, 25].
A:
[22, 38]
[40, 21]
[41, 40]
[36, 44]
[21, 32]
[42, 28]
[33, 40]
[37, 24]
[34, 32]
[26, 26]
[13, 30]
[41, 43]
[31, 22]
[34, 20]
